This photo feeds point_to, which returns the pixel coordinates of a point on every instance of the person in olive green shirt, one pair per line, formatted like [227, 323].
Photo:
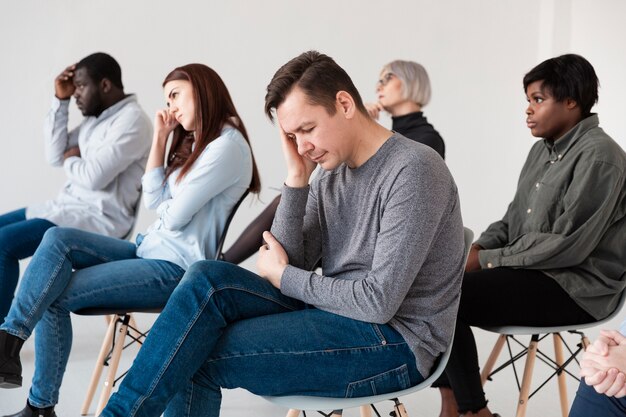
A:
[558, 256]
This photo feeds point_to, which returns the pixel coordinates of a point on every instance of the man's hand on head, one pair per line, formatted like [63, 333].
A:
[299, 168]
[64, 83]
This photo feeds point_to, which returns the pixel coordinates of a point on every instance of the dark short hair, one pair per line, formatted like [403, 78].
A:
[319, 77]
[101, 65]
[567, 76]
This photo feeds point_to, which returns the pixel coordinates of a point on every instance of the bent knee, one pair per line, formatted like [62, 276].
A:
[212, 273]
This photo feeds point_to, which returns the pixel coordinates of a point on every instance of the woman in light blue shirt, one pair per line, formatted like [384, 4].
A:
[209, 167]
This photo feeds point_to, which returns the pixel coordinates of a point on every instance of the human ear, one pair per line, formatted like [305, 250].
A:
[571, 103]
[345, 104]
[105, 85]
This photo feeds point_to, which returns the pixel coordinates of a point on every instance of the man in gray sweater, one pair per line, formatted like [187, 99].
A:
[383, 217]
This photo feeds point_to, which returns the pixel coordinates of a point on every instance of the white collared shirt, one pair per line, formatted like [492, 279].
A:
[104, 183]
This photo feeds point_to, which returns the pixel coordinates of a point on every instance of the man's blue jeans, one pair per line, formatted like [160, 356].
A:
[589, 403]
[226, 327]
[19, 239]
[107, 274]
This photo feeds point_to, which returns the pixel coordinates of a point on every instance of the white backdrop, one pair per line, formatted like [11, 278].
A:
[476, 53]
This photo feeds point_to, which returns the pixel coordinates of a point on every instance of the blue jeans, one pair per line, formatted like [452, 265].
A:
[107, 274]
[589, 403]
[19, 239]
[226, 327]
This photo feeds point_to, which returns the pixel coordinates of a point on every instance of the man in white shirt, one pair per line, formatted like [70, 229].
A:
[103, 159]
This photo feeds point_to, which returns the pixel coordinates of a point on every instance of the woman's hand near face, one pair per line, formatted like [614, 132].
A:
[299, 168]
[164, 123]
[374, 109]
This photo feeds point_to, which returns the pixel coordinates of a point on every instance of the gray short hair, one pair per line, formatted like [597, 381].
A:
[415, 81]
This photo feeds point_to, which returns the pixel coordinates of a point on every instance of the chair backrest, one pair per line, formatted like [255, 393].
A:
[136, 206]
[468, 237]
[220, 242]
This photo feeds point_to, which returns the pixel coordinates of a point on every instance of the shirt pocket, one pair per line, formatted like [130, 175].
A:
[546, 205]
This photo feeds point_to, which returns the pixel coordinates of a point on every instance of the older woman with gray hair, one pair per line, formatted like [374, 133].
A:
[402, 90]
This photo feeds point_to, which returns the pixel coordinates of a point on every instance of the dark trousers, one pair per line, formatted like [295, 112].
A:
[589, 403]
[498, 297]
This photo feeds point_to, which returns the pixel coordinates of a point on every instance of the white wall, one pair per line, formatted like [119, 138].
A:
[476, 52]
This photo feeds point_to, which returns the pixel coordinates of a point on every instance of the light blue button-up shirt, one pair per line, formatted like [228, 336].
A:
[103, 184]
[193, 212]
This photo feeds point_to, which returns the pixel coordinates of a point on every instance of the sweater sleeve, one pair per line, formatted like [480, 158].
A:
[297, 227]
[402, 245]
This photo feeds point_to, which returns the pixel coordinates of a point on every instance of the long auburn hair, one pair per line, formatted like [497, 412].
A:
[213, 108]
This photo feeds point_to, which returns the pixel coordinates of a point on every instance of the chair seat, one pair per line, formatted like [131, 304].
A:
[530, 330]
[305, 402]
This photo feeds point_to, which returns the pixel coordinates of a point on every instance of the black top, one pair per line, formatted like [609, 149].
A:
[415, 126]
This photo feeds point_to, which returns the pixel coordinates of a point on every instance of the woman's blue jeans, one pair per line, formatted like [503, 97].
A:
[589, 403]
[71, 270]
[226, 327]
[19, 239]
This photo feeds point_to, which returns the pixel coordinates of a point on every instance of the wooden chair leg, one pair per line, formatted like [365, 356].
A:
[528, 376]
[97, 371]
[558, 355]
[293, 413]
[366, 411]
[113, 364]
[493, 357]
[399, 410]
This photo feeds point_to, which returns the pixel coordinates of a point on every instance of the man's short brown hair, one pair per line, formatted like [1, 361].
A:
[319, 77]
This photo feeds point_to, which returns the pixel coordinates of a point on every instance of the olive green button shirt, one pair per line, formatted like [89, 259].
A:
[568, 218]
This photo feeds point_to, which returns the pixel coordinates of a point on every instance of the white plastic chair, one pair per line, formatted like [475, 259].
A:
[532, 352]
[301, 402]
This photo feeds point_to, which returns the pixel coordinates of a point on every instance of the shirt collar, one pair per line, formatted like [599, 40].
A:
[561, 146]
[117, 106]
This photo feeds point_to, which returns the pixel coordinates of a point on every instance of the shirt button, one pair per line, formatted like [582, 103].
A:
[529, 210]
[537, 185]
[551, 162]
[560, 156]
[489, 265]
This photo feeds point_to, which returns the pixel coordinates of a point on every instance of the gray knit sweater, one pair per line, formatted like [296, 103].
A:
[390, 237]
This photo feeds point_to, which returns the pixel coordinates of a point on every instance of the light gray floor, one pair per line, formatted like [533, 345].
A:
[89, 331]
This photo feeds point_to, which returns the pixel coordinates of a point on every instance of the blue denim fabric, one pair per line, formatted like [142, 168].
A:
[19, 239]
[589, 403]
[108, 274]
[226, 327]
